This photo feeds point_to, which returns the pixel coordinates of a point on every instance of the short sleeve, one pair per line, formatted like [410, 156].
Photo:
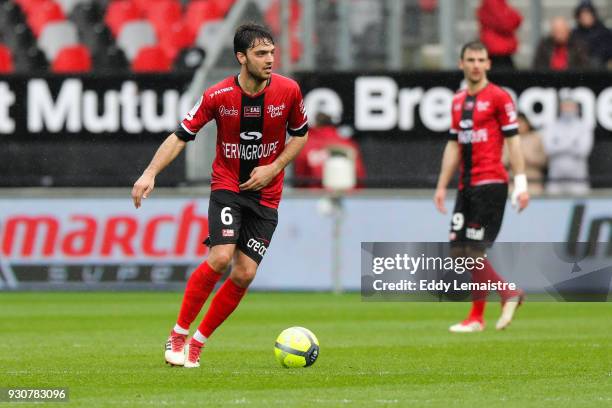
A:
[506, 114]
[298, 121]
[201, 113]
[453, 132]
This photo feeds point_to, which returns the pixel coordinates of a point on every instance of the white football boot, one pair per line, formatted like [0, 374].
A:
[175, 349]
[508, 309]
[193, 356]
[467, 326]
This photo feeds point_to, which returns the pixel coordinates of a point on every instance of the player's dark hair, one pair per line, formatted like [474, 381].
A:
[473, 46]
[247, 36]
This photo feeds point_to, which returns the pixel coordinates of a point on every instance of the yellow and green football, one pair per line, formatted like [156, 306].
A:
[296, 347]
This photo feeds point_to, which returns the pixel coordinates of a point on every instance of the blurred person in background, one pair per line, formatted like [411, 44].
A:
[568, 142]
[498, 25]
[483, 119]
[534, 154]
[592, 33]
[323, 137]
[559, 51]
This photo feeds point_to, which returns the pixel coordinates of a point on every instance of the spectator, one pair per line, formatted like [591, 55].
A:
[568, 142]
[498, 25]
[533, 153]
[592, 33]
[559, 52]
[322, 138]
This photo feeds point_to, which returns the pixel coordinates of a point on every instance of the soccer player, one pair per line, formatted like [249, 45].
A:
[483, 117]
[254, 111]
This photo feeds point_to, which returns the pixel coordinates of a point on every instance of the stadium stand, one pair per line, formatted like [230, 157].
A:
[72, 59]
[6, 60]
[151, 59]
[135, 35]
[57, 35]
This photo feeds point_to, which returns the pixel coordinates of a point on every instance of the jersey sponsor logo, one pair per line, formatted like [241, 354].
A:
[482, 106]
[466, 124]
[257, 246]
[276, 111]
[189, 116]
[511, 112]
[220, 91]
[251, 135]
[457, 107]
[248, 152]
[231, 111]
[252, 111]
[227, 233]
[476, 234]
[473, 136]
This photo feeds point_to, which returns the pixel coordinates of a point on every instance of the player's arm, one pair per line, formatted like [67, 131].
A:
[520, 196]
[450, 163]
[261, 176]
[166, 153]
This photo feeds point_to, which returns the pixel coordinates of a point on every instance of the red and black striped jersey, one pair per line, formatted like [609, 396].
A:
[251, 130]
[479, 124]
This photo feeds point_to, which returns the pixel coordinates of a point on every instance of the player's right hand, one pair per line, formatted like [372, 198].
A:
[142, 188]
[439, 199]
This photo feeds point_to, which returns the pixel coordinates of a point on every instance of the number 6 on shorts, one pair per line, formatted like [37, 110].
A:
[226, 216]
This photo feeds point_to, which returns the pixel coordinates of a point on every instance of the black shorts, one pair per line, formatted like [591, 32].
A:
[478, 214]
[239, 219]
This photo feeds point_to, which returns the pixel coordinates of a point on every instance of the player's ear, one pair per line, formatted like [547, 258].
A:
[241, 58]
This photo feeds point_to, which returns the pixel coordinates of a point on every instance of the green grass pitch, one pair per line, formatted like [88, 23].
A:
[108, 349]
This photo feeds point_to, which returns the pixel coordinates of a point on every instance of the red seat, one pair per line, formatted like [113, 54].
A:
[72, 59]
[30, 5]
[224, 6]
[6, 60]
[120, 12]
[44, 13]
[151, 59]
[163, 14]
[199, 12]
[173, 40]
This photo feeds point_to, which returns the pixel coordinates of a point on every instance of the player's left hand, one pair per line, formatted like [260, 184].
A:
[260, 177]
[522, 201]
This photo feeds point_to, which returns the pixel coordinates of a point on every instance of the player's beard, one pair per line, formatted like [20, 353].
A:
[254, 73]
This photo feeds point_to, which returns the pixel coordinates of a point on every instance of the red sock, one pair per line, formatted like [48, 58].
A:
[201, 282]
[489, 273]
[222, 305]
[479, 297]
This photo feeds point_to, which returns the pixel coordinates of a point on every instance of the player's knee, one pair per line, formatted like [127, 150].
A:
[242, 276]
[220, 260]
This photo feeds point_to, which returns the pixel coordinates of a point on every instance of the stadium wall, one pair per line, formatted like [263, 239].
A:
[93, 239]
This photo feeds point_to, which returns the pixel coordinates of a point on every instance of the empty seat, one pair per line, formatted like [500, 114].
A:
[20, 37]
[110, 60]
[85, 15]
[56, 36]
[30, 60]
[174, 39]
[164, 13]
[69, 5]
[151, 59]
[199, 12]
[96, 37]
[209, 34]
[6, 60]
[135, 35]
[47, 12]
[119, 13]
[189, 59]
[73, 59]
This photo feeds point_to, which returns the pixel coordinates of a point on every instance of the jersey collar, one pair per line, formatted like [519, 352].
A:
[253, 95]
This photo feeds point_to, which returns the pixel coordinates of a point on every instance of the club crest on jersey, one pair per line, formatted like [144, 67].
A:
[469, 105]
[252, 111]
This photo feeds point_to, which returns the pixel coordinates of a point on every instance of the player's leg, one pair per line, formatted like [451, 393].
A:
[458, 242]
[223, 216]
[258, 226]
